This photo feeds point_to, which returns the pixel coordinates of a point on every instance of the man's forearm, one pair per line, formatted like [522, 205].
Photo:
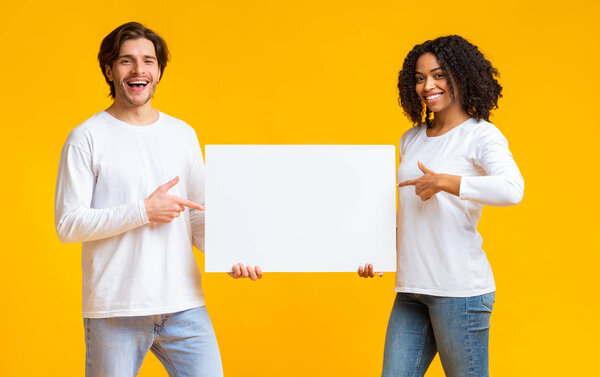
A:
[89, 224]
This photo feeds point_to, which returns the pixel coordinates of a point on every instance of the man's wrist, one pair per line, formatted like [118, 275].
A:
[143, 207]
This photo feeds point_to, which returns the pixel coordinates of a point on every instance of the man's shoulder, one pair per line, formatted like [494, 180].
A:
[92, 121]
[174, 121]
[178, 125]
[86, 129]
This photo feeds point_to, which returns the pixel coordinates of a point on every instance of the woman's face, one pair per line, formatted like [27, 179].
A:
[432, 84]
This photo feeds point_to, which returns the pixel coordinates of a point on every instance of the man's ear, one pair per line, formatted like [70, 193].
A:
[108, 72]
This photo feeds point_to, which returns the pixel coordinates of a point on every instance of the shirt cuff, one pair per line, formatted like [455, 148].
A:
[142, 212]
[466, 190]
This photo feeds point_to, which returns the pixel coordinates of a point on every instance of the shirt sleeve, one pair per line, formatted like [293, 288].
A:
[196, 194]
[74, 218]
[503, 184]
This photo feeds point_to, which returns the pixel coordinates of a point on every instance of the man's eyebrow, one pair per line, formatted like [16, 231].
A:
[131, 57]
[435, 69]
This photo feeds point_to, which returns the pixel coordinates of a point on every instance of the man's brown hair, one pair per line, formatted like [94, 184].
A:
[111, 45]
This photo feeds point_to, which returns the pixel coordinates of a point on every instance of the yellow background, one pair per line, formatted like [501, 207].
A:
[311, 72]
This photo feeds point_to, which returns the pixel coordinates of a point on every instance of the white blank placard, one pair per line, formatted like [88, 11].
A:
[300, 208]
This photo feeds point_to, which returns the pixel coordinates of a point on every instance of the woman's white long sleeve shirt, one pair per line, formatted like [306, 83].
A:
[439, 249]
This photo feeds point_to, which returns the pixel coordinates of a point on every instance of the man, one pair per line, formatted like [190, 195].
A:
[141, 284]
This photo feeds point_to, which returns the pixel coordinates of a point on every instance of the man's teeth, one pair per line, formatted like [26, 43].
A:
[138, 82]
[434, 96]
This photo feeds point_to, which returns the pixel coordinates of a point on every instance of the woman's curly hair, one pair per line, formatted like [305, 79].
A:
[474, 75]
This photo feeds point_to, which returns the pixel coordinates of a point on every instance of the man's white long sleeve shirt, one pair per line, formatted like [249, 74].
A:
[131, 267]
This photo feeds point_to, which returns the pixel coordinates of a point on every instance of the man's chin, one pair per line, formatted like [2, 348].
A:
[137, 101]
[134, 100]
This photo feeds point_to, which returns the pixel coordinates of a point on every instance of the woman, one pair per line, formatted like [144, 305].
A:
[451, 165]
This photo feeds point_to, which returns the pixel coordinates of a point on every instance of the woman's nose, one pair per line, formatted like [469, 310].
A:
[429, 83]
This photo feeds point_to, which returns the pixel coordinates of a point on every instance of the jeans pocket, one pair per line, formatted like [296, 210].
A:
[488, 300]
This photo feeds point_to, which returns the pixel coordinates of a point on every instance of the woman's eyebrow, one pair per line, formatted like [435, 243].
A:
[435, 69]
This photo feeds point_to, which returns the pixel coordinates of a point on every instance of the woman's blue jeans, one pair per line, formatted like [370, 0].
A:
[422, 325]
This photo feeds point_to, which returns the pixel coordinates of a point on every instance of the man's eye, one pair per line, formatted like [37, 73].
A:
[125, 61]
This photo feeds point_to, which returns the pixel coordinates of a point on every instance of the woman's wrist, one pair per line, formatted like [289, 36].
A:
[449, 183]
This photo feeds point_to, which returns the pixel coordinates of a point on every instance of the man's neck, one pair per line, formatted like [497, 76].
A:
[135, 115]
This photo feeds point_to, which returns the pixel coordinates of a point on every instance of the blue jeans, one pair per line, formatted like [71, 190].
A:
[422, 325]
[184, 342]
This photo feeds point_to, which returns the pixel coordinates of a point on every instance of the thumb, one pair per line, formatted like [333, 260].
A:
[167, 186]
[424, 169]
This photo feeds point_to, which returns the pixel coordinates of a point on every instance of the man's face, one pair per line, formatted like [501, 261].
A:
[135, 73]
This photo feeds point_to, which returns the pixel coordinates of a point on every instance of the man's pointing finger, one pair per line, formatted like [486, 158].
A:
[189, 203]
[167, 186]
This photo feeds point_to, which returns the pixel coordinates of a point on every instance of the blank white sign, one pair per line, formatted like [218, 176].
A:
[300, 208]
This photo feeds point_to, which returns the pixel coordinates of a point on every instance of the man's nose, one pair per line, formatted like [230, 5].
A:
[138, 66]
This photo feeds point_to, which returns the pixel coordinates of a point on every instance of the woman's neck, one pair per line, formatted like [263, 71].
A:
[444, 121]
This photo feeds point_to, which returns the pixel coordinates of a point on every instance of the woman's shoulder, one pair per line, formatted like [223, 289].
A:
[410, 136]
[483, 135]
[478, 129]
[412, 132]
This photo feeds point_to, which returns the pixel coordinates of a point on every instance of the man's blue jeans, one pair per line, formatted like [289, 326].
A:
[184, 342]
[422, 325]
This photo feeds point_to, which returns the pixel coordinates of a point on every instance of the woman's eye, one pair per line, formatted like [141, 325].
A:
[419, 79]
[439, 75]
